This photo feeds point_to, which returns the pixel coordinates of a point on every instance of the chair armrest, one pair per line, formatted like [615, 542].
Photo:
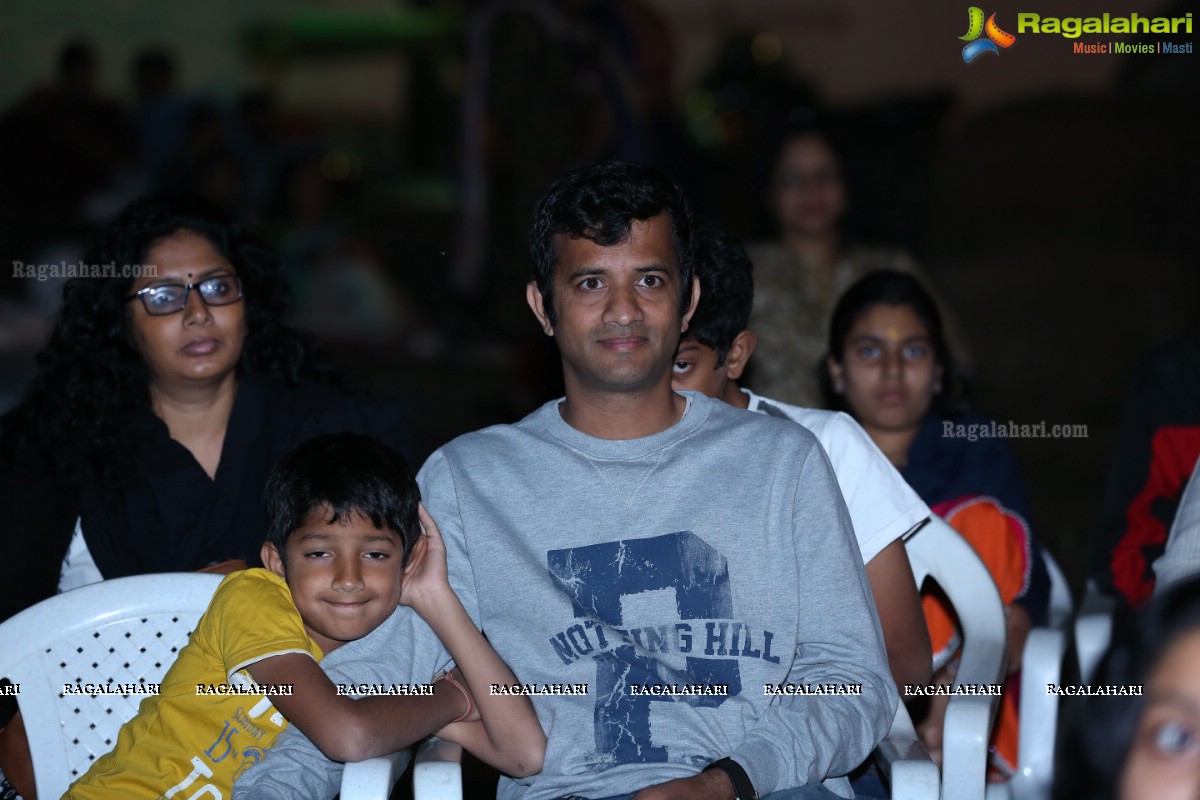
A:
[968, 724]
[437, 774]
[374, 778]
[908, 770]
[1041, 665]
[965, 735]
[1093, 630]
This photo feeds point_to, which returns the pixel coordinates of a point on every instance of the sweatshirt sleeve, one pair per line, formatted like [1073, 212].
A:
[440, 497]
[804, 739]
[293, 767]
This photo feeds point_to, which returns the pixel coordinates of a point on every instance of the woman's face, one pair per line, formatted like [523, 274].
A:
[201, 343]
[1164, 760]
[889, 373]
[808, 193]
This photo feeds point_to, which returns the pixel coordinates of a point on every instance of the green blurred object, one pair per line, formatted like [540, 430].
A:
[338, 33]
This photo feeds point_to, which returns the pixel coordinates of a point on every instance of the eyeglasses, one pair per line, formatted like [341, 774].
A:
[171, 298]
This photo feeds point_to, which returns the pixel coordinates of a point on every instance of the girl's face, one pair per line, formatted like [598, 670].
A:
[200, 343]
[808, 195]
[889, 373]
[1164, 760]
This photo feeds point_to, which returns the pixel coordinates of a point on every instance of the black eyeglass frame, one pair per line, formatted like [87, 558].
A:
[187, 292]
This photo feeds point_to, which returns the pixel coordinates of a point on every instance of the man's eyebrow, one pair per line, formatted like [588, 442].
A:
[585, 272]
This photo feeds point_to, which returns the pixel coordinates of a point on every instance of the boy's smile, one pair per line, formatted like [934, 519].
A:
[344, 578]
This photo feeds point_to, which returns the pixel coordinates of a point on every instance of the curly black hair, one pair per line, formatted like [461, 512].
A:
[600, 203]
[91, 380]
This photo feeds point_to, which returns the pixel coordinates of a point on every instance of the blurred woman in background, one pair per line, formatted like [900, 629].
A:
[799, 276]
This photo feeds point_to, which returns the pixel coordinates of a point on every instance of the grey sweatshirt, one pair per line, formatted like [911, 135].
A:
[650, 591]
[403, 650]
[716, 552]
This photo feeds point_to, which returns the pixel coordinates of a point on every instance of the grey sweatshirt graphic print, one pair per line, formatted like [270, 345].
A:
[668, 600]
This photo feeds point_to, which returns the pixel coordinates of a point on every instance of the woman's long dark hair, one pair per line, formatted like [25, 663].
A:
[92, 382]
[891, 288]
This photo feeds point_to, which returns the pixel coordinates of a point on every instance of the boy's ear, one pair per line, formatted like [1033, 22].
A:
[739, 354]
[536, 302]
[272, 560]
[835, 375]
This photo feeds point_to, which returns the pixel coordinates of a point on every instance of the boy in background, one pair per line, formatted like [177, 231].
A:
[711, 358]
[347, 541]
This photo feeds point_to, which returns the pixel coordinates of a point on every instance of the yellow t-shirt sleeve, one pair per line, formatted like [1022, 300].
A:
[256, 619]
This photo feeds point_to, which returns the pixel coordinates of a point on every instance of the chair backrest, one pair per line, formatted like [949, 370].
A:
[120, 632]
[937, 551]
[1061, 606]
[1093, 630]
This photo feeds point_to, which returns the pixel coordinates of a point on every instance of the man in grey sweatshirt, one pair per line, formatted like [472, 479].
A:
[673, 580]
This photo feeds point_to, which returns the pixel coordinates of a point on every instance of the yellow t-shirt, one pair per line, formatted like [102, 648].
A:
[194, 737]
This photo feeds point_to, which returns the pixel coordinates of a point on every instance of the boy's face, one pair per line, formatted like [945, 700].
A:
[345, 578]
[696, 369]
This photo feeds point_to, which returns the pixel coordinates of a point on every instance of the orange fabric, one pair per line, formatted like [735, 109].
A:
[1000, 538]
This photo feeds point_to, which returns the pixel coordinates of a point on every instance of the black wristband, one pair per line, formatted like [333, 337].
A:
[743, 789]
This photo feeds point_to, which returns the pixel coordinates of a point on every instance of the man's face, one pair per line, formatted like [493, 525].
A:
[617, 309]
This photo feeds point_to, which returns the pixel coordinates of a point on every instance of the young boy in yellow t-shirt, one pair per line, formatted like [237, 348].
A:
[347, 541]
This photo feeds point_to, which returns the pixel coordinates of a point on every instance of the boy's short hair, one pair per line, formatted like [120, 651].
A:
[726, 289]
[600, 203]
[348, 473]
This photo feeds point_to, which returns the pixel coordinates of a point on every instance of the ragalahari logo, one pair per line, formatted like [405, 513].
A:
[995, 40]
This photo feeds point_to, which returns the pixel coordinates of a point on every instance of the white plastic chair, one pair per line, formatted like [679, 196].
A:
[1061, 606]
[123, 631]
[937, 551]
[1041, 665]
[1093, 630]
[907, 768]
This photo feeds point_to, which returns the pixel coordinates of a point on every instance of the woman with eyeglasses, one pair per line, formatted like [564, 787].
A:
[162, 400]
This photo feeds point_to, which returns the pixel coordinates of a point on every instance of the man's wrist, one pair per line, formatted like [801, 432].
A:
[743, 789]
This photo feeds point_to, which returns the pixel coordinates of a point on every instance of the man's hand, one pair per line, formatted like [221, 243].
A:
[711, 784]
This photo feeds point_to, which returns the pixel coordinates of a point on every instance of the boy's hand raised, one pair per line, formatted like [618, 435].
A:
[502, 731]
[425, 577]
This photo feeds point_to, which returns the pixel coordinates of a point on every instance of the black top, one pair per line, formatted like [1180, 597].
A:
[166, 514]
